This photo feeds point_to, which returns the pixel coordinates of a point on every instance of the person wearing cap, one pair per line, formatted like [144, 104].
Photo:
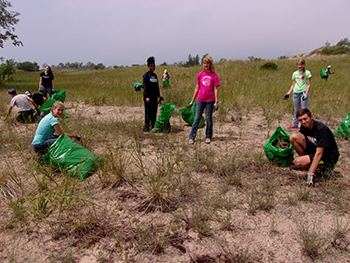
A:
[37, 100]
[26, 112]
[49, 129]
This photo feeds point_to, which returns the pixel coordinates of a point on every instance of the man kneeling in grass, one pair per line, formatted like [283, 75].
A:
[315, 143]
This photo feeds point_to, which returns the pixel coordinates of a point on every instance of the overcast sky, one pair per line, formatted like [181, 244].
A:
[126, 32]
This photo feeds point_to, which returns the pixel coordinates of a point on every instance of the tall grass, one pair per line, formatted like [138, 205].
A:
[243, 83]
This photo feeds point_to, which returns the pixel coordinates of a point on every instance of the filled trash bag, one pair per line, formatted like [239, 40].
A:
[67, 155]
[278, 148]
[343, 130]
[47, 106]
[59, 95]
[162, 122]
[323, 73]
[188, 115]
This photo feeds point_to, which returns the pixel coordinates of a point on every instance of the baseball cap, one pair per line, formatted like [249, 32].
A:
[28, 93]
[12, 91]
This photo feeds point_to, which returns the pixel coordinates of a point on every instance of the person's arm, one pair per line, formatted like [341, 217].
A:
[291, 88]
[36, 107]
[316, 160]
[40, 82]
[59, 132]
[44, 99]
[8, 112]
[216, 93]
[195, 93]
[53, 86]
[308, 85]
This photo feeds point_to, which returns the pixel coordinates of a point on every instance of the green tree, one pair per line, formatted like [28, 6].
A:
[7, 21]
[7, 68]
[28, 66]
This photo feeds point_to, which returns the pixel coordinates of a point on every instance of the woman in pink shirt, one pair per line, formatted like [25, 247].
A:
[208, 98]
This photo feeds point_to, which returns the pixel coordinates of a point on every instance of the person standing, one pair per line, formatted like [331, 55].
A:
[165, 78]
[315, 143]
[150, 95]
[301, 88]
[26, 112]
[208, 99]
[46, 83]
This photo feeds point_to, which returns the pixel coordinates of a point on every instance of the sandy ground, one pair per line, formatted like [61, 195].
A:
[266, 236]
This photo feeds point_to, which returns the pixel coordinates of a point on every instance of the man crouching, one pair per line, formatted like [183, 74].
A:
[315, 143]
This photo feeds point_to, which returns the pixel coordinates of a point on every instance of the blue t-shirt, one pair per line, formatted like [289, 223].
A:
[45, 129]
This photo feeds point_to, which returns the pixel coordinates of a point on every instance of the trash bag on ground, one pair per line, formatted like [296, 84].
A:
[278, 148]
[343, 130]
[162, 123]
[323, 73]
[67, 155]
[188, 115]
[59, 95]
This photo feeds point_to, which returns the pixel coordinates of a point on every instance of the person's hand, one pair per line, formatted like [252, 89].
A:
[189, 106]
[310, 177]
[77, 137]
[286, 97]
[216, 106]
[160, 99]
[305, 96]
[148, 100]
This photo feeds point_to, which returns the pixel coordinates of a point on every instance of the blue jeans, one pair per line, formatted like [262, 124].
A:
[208, 106]
[298, 101]
[45, 145]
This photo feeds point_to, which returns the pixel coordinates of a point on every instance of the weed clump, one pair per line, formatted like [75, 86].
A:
[269, 65]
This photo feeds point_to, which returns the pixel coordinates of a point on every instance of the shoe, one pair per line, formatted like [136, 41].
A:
[309, 184]
[292, 127]
[293, 167]
[190, 141]
[207, 140]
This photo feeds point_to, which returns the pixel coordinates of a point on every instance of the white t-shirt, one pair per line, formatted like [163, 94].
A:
[22, 102]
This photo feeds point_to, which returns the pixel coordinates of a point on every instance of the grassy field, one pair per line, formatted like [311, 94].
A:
[157, 199]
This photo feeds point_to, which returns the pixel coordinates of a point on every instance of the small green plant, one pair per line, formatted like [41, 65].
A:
[269, 65]
[302, 192]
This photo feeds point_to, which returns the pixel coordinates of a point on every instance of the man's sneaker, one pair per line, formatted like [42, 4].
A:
[207, 140]
[190, 141]
[293, 167]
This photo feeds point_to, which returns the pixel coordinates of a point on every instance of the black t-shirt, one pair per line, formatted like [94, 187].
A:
[46, 80]
[150, 85]
[38, 98]
[320, 136]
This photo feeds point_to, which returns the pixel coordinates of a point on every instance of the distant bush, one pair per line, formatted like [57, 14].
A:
[27, 66]
[342, 47]
[269, 65]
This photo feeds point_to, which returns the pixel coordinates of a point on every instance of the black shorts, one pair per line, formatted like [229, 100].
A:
[23, 116]
[329, 161]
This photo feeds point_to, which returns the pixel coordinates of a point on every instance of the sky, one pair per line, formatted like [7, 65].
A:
[126, 32]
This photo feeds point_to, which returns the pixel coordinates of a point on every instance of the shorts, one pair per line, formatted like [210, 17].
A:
[23, 116]
[328, 160]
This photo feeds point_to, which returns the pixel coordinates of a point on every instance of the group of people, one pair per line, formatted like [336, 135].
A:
[314, 144]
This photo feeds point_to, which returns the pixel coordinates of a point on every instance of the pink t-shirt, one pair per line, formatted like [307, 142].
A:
[207, 81]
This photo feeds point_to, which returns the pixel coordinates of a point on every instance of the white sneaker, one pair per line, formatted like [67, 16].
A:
[207, 140]
[190, 141]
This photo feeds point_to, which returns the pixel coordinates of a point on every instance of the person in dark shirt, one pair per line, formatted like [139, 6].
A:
[46, 83]
[150, 94]
[315, 143]
[37, 100]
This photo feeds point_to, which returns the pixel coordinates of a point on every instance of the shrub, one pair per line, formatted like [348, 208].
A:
[269, 65]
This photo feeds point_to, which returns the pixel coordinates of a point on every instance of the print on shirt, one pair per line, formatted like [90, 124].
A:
[312, 140]
[153, 79]
[206, 80]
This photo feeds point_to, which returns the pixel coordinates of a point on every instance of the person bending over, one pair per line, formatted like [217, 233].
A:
[315, 143]
[26, 112]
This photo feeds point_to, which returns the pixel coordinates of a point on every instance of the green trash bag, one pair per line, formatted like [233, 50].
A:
[166, 83]
[162, 122]
[137, 86]
[278, 148]
[188, 115]
[59, 95]
[67, 155]
[343, 130]
[47, 106]
[323, 73]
